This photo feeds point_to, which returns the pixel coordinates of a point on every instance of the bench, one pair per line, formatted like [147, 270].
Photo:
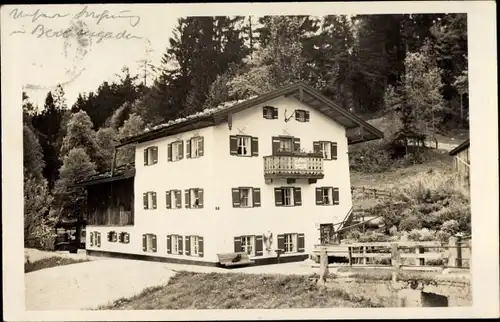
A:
[234, 259]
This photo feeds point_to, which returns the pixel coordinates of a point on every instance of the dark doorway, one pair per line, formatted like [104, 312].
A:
[326, 233]
[433, 300]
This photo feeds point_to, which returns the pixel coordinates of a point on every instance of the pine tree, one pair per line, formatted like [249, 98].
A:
[134, 125]
[32, 154]
[106, 139]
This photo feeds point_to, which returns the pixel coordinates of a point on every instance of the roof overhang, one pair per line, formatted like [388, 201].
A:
[106, 179]
[363, 131]
[464, 145]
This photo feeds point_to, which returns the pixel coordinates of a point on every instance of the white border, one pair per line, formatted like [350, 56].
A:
[484, 172]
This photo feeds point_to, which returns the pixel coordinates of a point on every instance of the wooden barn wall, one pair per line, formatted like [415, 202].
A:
[462, 170]
[111, 204]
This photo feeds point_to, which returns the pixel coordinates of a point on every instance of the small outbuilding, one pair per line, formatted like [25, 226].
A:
[461, 163]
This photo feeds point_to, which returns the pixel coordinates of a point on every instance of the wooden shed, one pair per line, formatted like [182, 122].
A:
[461, 163]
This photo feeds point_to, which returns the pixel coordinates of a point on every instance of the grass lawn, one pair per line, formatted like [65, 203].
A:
[187, 290]
[50, 262]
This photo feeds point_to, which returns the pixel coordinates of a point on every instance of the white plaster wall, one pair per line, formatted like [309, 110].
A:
[236, 171]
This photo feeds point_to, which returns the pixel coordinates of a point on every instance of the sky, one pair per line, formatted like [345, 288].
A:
[82, 63]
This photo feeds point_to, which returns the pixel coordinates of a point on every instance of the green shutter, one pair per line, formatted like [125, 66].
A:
[233, 145]
[319, 196]
[188, 245]
[278, 197]
[334, 150]
[256, 197]
[297, 196]
[237, 244]
[300, 243]
[259, 245]
[188, 149]
[235, 192]
[168, 199]
[255, 146]
[169, 244]
[200, 246]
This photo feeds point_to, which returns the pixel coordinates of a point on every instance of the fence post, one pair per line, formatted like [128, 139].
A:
[349, 255]
[452, 250]
[419, 261]
[323, 262]
[395, 256]
[459, 251]
[470, 253]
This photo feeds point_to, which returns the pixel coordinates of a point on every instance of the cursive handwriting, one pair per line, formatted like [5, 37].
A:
[18, 14]
[40, 31]
[84, 13]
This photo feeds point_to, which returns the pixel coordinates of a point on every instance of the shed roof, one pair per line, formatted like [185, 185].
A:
[119, 173]
[464, 145]
[221, 114]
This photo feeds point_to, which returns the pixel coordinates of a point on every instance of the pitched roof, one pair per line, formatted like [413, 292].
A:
[220, 114]
[122, 172]
[464, 145]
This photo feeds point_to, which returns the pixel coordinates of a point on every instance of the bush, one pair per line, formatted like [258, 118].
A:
[370, 157]
[410, 223]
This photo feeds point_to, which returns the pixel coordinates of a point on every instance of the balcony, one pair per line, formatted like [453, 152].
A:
[294, 165]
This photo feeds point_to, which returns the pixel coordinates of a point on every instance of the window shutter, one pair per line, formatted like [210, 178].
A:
[120, 237]
[296, 144]
[336, 196]
[98, 239]
[145, 156]
[169, 157]
[306, 116]
[236, 197]
[200, 246]
[127, 238]
[255, 146]
[297, 196]
[259, 245]
[169, 244]
[145, 200]
[278, 197]
[233, 145]
[115, 236]
[316, 147]
[188, 149]
[180, 243]
[178, 198]
[153, 241]
[153, 197]
[297, 114]
[276, 144]
[168, 200]
[155, 155]
[201, 146]
[237, 244]
[334, 150]
[187, 198]
[188, 245]
[144, 242]
[91, 238]
[281, 242]
[256, 197]
[319, 196]
[275, 112]
[200, 198]
[264, 112]
[108, 235]
[300, 243]
[181, 150]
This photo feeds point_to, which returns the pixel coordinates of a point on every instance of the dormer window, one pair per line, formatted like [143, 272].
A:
[270, 112]
[302, 115]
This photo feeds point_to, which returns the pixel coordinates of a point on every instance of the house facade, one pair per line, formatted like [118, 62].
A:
[461, 164]
[262, 177]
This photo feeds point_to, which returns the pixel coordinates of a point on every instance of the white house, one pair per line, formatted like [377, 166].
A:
[262, 176]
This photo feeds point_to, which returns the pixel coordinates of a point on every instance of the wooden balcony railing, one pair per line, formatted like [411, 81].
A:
[293, 166]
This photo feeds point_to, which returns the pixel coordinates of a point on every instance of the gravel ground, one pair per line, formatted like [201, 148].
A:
[35, 254]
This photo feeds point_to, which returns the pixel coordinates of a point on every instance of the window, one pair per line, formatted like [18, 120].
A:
[124, 238]
[194, 147]
[194, 245]
[288, 196]
[194, 198]
[285, 144]
[176, 151]
[149, 243]
[290, 243]
[246, 197]
[112, 236]
[150, 155]
[177, 244]
[173, 199]
[327, 149]
[327, 196]
[149, 199]
[270, 112]
[248, 245]
[95, 239]
[242, 145]
[302, 116]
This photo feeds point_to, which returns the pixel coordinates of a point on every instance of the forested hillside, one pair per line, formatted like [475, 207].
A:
[412, 68]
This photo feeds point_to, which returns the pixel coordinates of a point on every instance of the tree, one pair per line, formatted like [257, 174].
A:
[133, 126]
[32, 154]
[106, 140]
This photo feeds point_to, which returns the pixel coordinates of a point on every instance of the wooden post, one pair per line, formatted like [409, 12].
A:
[459, 251]
[395, 257]
[419, 261]
[323, 262]
[349, 249]
[364, 254]
[452, 250]
[470, 253]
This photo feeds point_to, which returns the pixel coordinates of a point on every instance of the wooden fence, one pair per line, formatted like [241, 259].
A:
[371, 192]
[455, 254]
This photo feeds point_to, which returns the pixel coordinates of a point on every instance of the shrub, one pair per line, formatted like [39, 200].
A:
[370, 157]
[410, 223]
